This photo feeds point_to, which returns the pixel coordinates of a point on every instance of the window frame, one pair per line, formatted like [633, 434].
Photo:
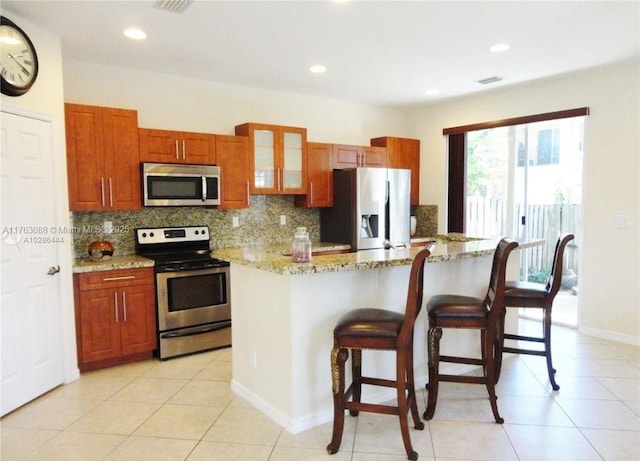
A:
[456, 146]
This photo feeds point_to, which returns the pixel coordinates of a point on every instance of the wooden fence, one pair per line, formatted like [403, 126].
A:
[485, 217]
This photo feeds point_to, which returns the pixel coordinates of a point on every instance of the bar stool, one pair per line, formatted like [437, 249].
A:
[379, 329]
[540, 296]
[484, 314]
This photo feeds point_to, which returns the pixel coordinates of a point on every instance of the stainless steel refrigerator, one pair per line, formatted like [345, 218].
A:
[371, 209]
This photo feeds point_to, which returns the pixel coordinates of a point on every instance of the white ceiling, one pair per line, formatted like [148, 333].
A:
[377, 52]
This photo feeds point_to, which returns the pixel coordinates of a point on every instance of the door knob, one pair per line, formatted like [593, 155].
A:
[53, 270]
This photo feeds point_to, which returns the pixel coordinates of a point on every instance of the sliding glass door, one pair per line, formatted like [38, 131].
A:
[525, 181]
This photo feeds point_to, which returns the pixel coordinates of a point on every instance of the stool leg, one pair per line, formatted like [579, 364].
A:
[338, 358]
[490, 364]
[411, 390]
[547, 348]
[356, 372]
[401, 387]
[433, 347]
[500, 344]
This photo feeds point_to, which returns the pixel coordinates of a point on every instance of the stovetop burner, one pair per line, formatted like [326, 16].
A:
[177, 248]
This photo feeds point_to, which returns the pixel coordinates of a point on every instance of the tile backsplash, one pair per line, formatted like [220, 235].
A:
[259, 224]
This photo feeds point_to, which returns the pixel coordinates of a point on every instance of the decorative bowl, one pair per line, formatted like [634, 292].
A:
[100, 250]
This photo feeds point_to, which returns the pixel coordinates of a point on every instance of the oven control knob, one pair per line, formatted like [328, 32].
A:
[150, 234]
[144, 234]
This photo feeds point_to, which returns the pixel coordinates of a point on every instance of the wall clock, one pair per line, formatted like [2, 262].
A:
[18, 59]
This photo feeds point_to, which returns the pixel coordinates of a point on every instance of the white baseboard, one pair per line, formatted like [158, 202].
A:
[608, 335]
[302, 423]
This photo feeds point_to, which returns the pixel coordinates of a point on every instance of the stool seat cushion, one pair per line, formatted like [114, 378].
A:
[525, 290]
[456, 307]
[369, 322]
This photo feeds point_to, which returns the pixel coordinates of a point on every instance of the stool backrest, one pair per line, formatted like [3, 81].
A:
[553, 284]
[414, 294]
[495, 294]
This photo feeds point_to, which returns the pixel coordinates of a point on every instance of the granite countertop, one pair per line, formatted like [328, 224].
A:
[112, 263]
[83, 265]
[277, 258]
[446, 249]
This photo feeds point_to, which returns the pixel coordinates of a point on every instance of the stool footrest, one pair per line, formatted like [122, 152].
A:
[378, 382]
[463, 379]
[465, 360]
[373, 408]
[524, 338]
[515, 350]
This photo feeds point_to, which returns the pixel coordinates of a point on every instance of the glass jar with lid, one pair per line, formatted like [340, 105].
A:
[301, 246]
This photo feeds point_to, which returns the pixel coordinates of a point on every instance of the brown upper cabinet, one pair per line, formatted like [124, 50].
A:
[319, 177]
[103, 161]
[278, 158]
[403, 153]
[164, 146]
[347, 156]
[233, 159]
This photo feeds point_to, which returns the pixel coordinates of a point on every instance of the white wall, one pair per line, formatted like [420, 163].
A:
[45, 100]
[610, 257]
[173, 102]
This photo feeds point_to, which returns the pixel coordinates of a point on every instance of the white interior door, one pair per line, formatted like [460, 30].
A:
[30, 310]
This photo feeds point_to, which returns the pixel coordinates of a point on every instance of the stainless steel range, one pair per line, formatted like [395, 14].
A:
[192, 289]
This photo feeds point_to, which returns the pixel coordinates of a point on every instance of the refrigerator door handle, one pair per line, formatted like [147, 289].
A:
[386, 191]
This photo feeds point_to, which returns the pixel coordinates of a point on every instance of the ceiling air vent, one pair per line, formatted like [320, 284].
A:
[173, 6]
[487, 81]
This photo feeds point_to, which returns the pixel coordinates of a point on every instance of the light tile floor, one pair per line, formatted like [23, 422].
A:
[183, 409]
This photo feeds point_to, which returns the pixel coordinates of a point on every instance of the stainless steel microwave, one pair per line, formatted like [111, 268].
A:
[166, 184]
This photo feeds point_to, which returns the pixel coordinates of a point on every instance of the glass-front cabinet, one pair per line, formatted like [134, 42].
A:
[278, 159]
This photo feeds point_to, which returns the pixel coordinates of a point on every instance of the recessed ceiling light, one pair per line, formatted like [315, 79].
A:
[135, 33]
[317, 69]
[499, 47]
[431, 92]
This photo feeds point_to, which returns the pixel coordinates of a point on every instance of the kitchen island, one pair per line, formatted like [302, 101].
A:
[284, 314]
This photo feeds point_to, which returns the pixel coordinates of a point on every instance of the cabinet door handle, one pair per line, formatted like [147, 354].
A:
[115, 304]
[248, 200]
[279, 180]
[311, 191]
[124, 277]
[110, 193]
[184, 149]
[124, 305]
[177, 152]
[102, 191]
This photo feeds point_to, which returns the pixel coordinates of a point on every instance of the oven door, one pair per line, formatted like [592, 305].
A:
[192, 297]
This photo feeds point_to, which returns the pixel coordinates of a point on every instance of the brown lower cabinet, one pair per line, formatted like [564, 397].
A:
[115, 317]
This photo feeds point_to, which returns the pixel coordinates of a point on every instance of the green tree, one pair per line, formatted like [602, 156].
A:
[486, 154]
